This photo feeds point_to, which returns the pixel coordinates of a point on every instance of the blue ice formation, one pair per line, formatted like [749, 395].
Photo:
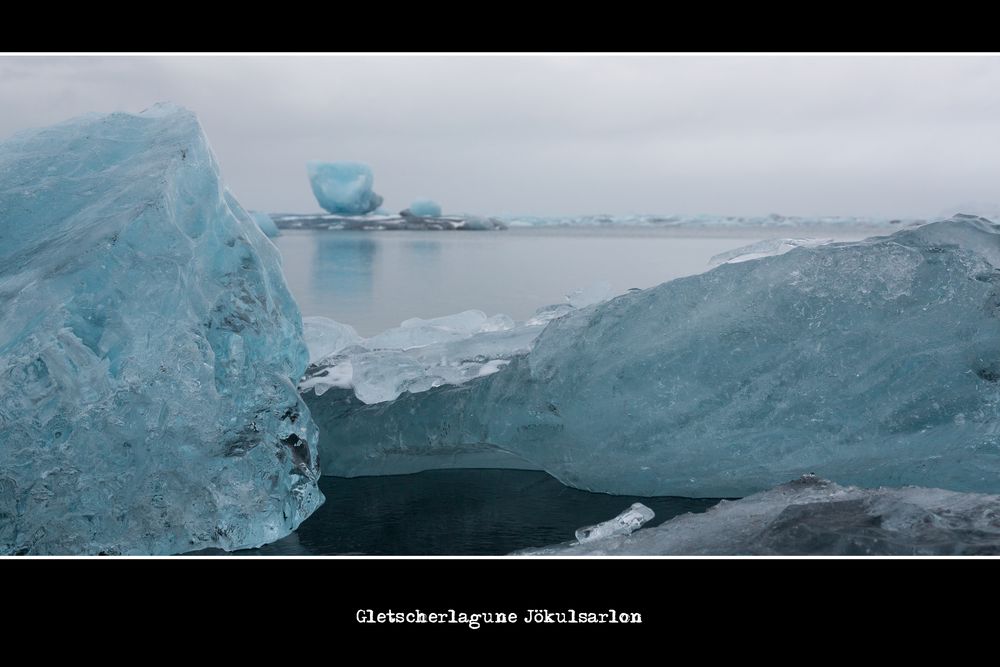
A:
[148, 349]
[421, 354]
[343, 188]
[871, 363]
[812, 516]
[265, 223]
[425, 208]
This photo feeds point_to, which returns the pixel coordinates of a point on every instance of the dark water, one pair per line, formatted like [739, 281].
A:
[456, 512]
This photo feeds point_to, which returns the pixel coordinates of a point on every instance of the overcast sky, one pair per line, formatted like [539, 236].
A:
[887, 136]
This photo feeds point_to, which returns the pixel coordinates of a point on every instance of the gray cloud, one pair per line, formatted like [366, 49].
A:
[895, 136]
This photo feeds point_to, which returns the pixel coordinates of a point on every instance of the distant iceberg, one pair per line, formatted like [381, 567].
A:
[343, 188]
[385, 222]
[425, 208]
[148, 349]
[707, 222]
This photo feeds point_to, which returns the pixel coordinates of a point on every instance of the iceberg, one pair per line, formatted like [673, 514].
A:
[420, 354]
[870, 363]
[811, 516]
[148, 352]
[265, 223]
[625, 523]
[343, 188]
[424, 208]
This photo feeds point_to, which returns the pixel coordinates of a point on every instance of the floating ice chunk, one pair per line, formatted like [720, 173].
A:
[625, 523]
[265, 223]
[811, 516]
[420, 354]
[148, 349]
[764, 249]
[425, 208]
[588, 296]
[417, 332]
[872, 362]
[325, 337]
[343, 187]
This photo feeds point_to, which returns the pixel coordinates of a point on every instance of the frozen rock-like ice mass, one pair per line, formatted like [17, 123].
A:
[425, 208]
[812, 516]
[625, 523]
[343, 188]
[265, 223]
[148, 351]
[874, 362]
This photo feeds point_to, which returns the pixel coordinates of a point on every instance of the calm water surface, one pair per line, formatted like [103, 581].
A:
[375, 280]
[455, 512]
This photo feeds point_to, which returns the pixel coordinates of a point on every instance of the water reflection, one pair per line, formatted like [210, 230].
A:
[344, 265]
[428, 250]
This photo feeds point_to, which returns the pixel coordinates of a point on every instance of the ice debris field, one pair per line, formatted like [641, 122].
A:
[161, 393]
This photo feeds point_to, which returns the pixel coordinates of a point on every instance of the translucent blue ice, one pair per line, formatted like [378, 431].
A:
[265, 223]
[344, 188]
[425, 208]
[871, 363]
[148, 348]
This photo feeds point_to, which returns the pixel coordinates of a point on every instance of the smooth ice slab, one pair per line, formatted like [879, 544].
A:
[148, 348]
[871, 363]
[812, 516]
[344, 188]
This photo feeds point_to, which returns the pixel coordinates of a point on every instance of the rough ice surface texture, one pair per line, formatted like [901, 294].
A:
[625, 523]
[148, 349]
[420, 354]
[765, 248]
[425, 208]
[343, 188]
[812, 516]
[873, 363]
[265, 223]
[417, 356]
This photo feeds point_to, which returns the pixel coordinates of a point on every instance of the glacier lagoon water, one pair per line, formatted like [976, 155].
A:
[375, 280]
[455, 512]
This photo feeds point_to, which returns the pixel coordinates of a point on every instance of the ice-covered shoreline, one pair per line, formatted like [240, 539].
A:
[816, 517]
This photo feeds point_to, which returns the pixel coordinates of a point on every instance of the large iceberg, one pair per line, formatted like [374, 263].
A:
[148, 349]
[425, 208]
[343, 188]
[812, 516]
[873, 363]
